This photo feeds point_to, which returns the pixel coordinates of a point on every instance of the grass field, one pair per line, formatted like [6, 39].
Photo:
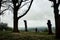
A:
[26, 36]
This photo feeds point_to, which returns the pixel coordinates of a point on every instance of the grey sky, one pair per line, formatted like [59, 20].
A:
[38, 15]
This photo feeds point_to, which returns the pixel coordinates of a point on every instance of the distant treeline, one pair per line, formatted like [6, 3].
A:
[4, 27]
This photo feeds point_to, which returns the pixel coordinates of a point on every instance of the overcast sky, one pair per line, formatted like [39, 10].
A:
[40, 12]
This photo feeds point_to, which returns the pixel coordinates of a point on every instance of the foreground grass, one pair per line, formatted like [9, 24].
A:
[26, 36]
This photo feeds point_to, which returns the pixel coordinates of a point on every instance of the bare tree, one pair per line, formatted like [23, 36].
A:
[57, 16]
[17, 4]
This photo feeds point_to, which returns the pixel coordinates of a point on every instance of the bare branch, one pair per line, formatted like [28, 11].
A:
[4, 10]
[26, 10]
[6, 1]
[25, 0]
[19, 4]
[11, 6]
[2, 6]
[3, 2]
[24, 4]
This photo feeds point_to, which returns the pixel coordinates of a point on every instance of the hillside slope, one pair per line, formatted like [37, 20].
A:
[26, 36]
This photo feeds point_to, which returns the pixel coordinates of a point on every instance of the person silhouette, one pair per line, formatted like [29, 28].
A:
[49, 27]
[36, 29]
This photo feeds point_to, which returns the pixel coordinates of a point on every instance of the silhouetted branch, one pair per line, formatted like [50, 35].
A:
[4, 10]
[25, 0]
[24, 4]
[3, 2]
[19, 4]
[2, 6]
[11, 6]
[26, 10]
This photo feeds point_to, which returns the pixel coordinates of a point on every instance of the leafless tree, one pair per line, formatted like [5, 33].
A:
[17, 5]
[57, 16]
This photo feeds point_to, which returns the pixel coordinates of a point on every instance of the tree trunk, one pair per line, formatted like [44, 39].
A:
[57, 20]
[57, 27]
[15, 21]
[25, 25]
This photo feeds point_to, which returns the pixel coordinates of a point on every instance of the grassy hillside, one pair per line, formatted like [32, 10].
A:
[26, 36]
